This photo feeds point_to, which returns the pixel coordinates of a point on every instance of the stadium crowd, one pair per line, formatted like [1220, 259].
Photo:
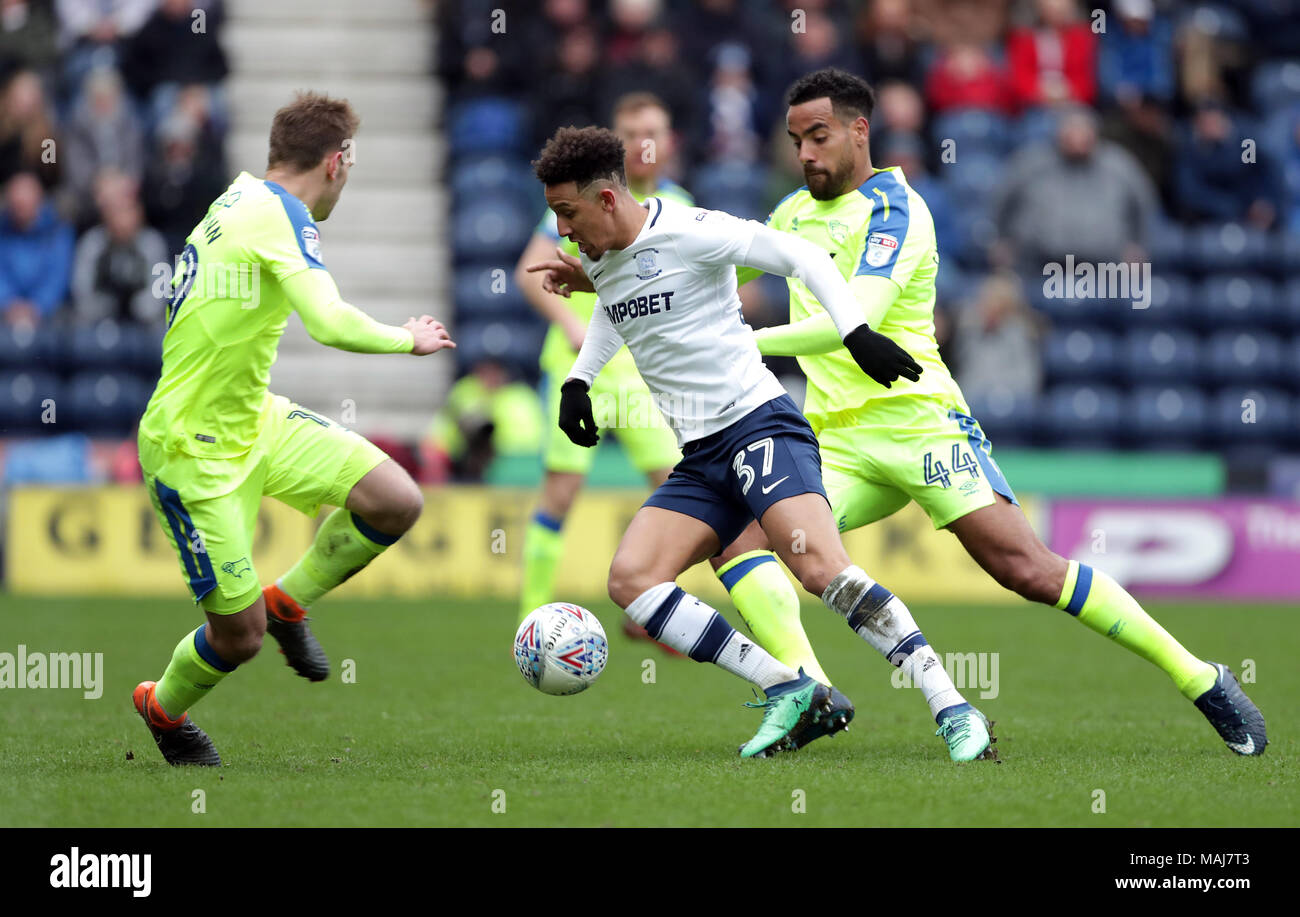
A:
[1142, 132]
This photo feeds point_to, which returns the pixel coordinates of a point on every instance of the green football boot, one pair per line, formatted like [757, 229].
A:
[788, 706]
[967, 732]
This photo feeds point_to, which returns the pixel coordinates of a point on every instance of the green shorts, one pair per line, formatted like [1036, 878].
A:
[909, 450]
[300, 458]
[621, 402]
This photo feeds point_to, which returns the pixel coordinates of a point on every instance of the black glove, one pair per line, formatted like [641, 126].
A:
[879, 357]
[575, 413]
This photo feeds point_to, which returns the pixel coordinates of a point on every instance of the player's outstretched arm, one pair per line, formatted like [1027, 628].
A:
[335, 323]
[878, 356]
[601, 343]
[817, 334]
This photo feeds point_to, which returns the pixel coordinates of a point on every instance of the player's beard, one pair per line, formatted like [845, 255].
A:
[833, 183]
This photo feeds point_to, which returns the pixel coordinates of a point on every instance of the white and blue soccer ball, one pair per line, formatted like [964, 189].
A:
[561, 648]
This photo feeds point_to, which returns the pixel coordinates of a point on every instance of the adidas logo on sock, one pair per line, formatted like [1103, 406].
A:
[744, 651]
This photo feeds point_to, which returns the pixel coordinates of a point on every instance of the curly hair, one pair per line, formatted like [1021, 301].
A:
[581, 155]
[851, 96]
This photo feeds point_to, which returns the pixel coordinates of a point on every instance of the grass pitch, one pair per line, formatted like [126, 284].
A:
[439, 729]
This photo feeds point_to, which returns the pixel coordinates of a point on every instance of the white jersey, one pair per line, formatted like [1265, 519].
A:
[671, 297]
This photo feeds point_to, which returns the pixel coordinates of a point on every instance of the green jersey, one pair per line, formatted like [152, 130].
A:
[557, 355]
[881, 229]
[228, 309]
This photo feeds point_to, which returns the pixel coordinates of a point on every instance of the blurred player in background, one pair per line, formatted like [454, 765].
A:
[884, 447]
[213, 441]
[622, 399]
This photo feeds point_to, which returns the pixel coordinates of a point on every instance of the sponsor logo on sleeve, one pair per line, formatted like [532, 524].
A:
[880, 248]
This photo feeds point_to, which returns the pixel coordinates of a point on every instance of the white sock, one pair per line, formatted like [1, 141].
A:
[678, 619]
[880, 618]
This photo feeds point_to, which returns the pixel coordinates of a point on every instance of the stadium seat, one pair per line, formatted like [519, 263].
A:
[1007, 418]
[1172, 298]
[27, 398]
[23, 347]
[973, 130]
[1165, 417]
[103, 345]
[1066, 311]
[737, 188]
[1235, 301]
[1035, 126]
[1245, 356]
[488, 291]
[971, 179]
[494, 175]
[1230, 247]
[515, 344]
[104, 402]
[1160, 356]
[492, 226]
[1079, 354]
[1169, 248]
[1288, 307]
[1275, 85]
[1082, 416]
[1252, 415]
[487, 125]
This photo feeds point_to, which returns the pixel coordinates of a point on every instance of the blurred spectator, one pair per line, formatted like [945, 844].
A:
[568, 90]
[475, 61]
[1081, 196]
[92, 33]
[184, 175]
[705, 24]
[886, 43]
[996, 342]
[899, 111]
[103, 133]
[1143, 128]
[28, 139]
[1210, 180]
[630, 21]
[485, 415]
[35, 253]
[1054, 60]
[820, 44]
[1213, 57]
[657, 67]
[27, 37]
[113, 274]
[965, 75]
[733, 123]
[167, 54]
[1137, 59]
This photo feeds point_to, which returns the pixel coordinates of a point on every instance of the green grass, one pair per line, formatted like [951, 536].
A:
[439, 719]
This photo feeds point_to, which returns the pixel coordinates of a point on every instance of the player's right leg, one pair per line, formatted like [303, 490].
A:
[657, 546]
[213, 541]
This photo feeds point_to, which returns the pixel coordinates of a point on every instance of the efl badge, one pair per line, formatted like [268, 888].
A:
[311, 242]
[880, 248]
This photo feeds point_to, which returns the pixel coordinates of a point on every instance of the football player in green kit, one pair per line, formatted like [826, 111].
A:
[213, 440]
[884, 447]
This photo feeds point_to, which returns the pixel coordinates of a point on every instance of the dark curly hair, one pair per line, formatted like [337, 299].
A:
[851, 96]
[581, 155]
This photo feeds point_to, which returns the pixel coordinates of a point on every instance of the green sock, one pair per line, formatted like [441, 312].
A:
[344, 544]
[1105, 606]
[543, 548]
[194, 670]
[770, 606]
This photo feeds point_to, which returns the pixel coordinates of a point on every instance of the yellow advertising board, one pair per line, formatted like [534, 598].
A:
[105, 540]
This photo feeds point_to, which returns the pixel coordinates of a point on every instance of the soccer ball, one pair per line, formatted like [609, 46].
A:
[561, 648]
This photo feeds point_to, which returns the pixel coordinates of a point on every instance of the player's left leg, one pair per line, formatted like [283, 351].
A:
[317, 462]
[1000, 540]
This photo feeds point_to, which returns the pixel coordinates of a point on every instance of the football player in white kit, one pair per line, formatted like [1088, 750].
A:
[666, 282]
